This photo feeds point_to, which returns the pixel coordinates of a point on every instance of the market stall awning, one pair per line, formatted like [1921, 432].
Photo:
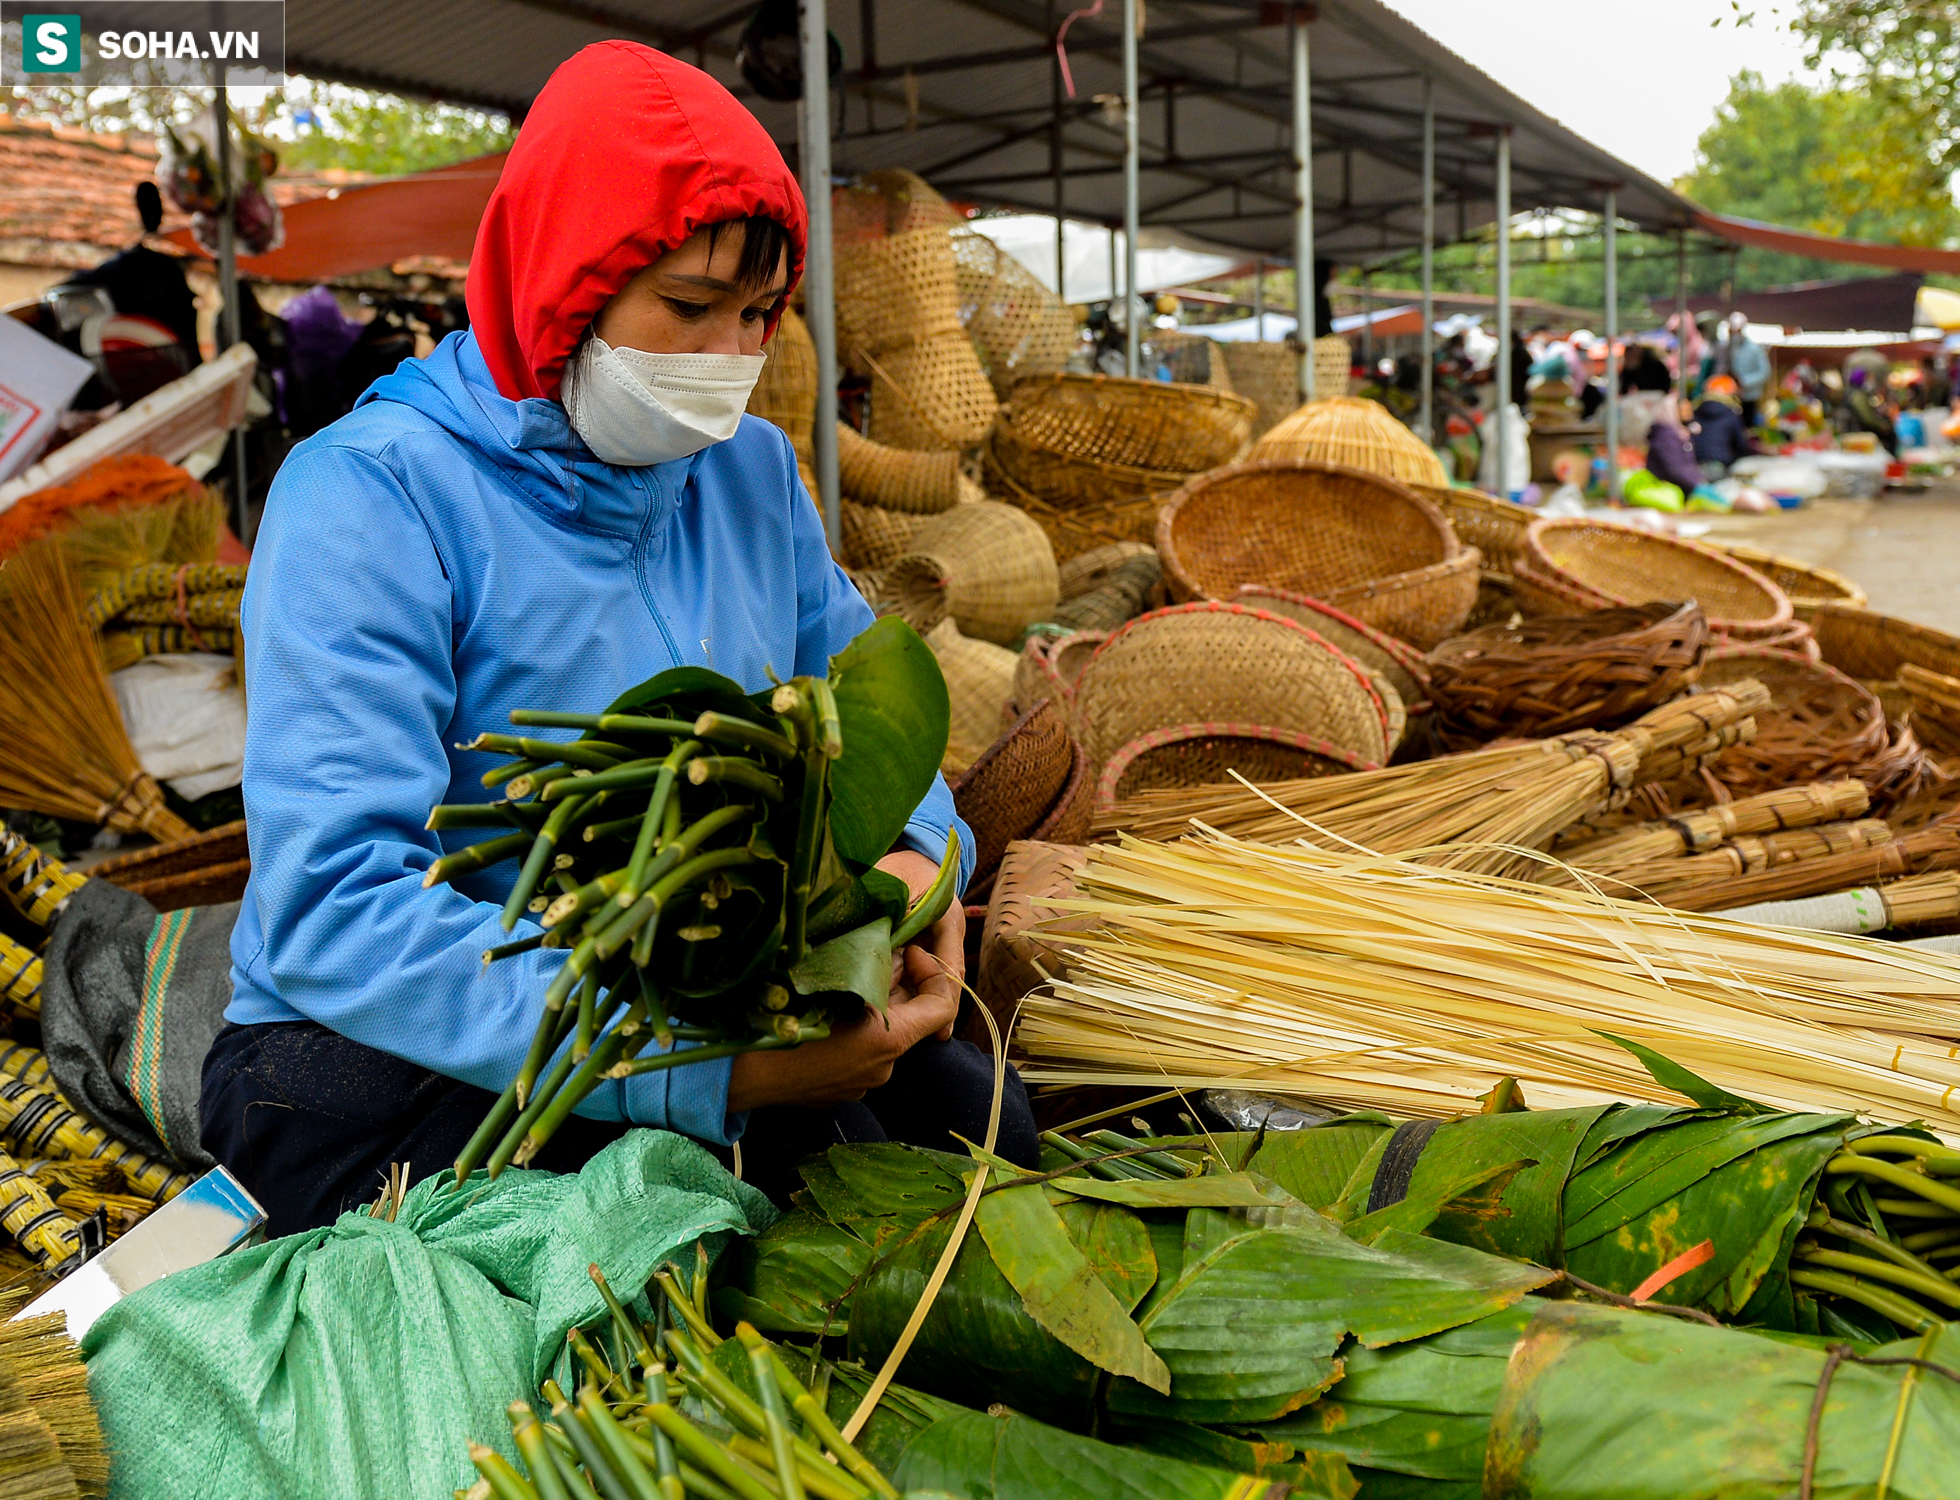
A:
[967, 94]
[356, 229]
[1859, 302]
[1753, 232]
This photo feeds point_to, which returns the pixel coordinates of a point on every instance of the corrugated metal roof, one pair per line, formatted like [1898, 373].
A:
[1214, 115]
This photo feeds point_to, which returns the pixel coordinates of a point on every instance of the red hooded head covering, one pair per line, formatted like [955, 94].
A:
[624, 155]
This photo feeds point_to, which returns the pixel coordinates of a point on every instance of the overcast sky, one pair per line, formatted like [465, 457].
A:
[1641, 80]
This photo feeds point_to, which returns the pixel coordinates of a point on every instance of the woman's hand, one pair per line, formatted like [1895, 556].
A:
[858, 1057]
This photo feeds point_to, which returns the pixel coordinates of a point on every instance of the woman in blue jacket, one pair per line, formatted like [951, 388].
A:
[559, 503]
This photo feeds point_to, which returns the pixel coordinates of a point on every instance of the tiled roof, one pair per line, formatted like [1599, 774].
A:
[67, 197]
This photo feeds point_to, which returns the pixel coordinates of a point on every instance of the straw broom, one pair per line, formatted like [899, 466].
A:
[42, 1378]
[102, 545]
[1487, 805]
[66, 752]
[1376, 983]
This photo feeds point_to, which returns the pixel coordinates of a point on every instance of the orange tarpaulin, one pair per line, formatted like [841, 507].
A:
[376, 224]
[1763, 236]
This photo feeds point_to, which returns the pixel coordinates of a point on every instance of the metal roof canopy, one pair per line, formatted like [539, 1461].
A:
[967, 93]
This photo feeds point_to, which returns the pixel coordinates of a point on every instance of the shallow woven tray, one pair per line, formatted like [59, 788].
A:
[1619, 565]
[1863, 644]
[1494, 527]
[1189, 755]
[1008, 792]
[1548, 676]
[1091, 527]
[205, 870]
[1307, 527]
[1405, 668]
[1425, 606]
[1807, 584]
[1138, 424]
[1024, 932]
[1227, 663]
[1050, 665]
[1026, 471]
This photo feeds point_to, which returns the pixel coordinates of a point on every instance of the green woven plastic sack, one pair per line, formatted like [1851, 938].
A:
[358, 1362]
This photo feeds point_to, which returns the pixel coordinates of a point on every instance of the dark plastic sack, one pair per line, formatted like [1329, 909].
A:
[359, 1362]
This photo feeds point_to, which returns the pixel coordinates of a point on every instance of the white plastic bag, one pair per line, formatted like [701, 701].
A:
[186, 719]
[1517, 452]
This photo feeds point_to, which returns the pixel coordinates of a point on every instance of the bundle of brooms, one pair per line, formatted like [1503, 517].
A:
[63, 748]
[1482, 811]
[1370, 982]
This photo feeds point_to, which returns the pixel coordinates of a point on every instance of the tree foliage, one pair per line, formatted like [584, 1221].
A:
[330, 125]
[1911, 48]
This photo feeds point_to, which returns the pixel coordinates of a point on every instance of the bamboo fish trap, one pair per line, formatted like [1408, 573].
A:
[1484, 810]
[1365, 982]
[66, 751]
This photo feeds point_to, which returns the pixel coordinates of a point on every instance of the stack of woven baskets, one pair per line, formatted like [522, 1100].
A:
[1031, 783]
[1361, 541]
[1089, 455]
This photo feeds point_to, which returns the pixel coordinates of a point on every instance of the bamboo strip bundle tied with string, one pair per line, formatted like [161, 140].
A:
[1698, 832]
[1482, 810]
[1369, 982]
[1674, 882]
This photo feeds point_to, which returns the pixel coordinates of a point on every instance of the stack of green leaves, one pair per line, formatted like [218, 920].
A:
[708, 857]
[1809, 1223]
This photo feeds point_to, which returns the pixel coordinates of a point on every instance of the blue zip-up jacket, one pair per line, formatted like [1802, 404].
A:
[428, 563]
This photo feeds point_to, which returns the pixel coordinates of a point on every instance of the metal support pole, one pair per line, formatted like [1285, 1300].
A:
[1612, 209]
[1304, 299]
[1681, 315]
[1259, 296]
[231, 327]
[1131, 189]
[1503, 372]
[819, 286]
[1112, 270]
[1428, 418]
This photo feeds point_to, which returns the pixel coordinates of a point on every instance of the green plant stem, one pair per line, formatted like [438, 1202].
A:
[528, 1138]
[1901, 1310]
[538, 861]
[1899, 1254]
[1923, 1283]
[590, 1453]
[1941, 1158]
[733, 771]
[930, 907]
[504, 1481]
[588, 1008]
[681, 846]
[509, 771]
[573, 904]
[832, 1485]
[478, 856]
[1932, 1239]
[655, 816]
[537, 1102]
[1098, 1165]
[818, 1421]
[598, 1418]
[623, 777]
[681, 1303]
[622, 928]
[830, 732]
[528, 1433]
[703, 1449]
[595, 755]
[713, 1051]
[772, 1412]
[1913, 1182]
[724, 729]
[511, 950]
[1169, 1165]
[803, 867]
[629, 1331]
[665, 1467]
[538, 780]
[1911, 1208]
[454, 815]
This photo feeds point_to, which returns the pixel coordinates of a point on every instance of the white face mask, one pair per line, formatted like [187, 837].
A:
[636, 408]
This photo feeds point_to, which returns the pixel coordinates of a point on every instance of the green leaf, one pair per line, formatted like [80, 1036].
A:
[1608, 1404]
[1116, 1243]
[1061, 1290]
[793, 1277]
[692, 691]
[1012, 1457]
[1265, 1297]
[1474, 1204]
[854, 963]
[1671, 1075]
[893, 710]
[1314, 1165]
[855, 900]
[1222, 1190]
[1317, 1476]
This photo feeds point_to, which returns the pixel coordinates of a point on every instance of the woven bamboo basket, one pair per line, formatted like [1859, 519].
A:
[1494, 527]
[980, 685]
[786, 393]
[1134, 424]
[1301, 525]
[1050, 665]
[1870, 646]
[1019, 326]
[898, 323]
[1935, 700]
[1356, 434]
[1191, 358]
[1807, 584]
[992, 562]
[1010, 790]
[1122, 595]
[1821, 725]
[874, 538]
[1226, 663]
[1404, 667]
[1938, 802]
[1615, 565]
[1086, 527]
[899, 478]
[1333, 366]
[1024, 934]
[1425, 606]
[1090, 570]
[1269, 374]
[1551, 676]
[889, 201]
[1188, 755]
[206, 869]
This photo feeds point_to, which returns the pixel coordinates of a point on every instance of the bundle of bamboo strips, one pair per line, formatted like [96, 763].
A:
[1377, 983]
[1925, 852]
[63, 748]
[1483, 810]
[1698, 832]
[1665, 880]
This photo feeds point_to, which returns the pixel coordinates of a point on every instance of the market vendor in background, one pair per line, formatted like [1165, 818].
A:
[1721, 434]
[1749, 363]
[551, 507]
